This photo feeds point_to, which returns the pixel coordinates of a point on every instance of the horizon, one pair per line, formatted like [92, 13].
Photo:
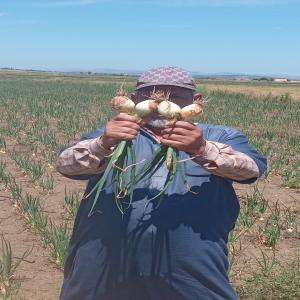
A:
[100, 71]
[247, 37]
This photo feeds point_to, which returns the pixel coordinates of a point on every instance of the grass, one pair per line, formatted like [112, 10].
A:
[25, 162]
[35, 169]
[292, 177]
[273, 281]
[264, 225]
[47, 183]
[9, 283]
[56, 237]
[290, 90]
[268, 122]
[72, 202]
[252, 207]
[270, 231]
[2, 144]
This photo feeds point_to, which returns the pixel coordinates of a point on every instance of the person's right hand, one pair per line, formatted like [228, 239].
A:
[121, 127]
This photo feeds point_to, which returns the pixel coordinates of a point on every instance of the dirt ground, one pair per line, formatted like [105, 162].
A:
[41, 278]
[250, 247]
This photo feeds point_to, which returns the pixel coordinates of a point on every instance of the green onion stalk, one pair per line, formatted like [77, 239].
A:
[123, 153]
[168, 154]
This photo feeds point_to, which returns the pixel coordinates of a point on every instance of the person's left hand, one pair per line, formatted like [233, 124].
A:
[184, 136]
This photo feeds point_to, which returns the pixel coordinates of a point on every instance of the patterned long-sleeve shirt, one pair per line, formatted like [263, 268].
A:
[89, 157]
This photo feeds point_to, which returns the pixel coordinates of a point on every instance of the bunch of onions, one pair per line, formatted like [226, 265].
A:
[125, 152]
[166, 154]
[122, 154]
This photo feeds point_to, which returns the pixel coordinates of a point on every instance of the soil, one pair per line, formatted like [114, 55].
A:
[40, 278]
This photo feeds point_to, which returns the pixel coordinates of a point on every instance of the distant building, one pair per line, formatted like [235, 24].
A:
[280, 80]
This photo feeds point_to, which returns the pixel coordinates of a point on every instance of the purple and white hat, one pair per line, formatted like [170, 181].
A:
[173, 76]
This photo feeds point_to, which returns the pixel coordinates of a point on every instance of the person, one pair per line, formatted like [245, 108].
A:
[178, 249]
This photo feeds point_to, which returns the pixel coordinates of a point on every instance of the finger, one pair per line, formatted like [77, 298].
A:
[129, 131]
[126, 117]
[123, 130]
[126, 136]
[176, 130]
[127, 124]
[122, 124]
[171, 143]
[173, 137]
[182, 124]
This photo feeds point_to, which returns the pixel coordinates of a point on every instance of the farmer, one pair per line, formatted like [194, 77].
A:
[175, 251]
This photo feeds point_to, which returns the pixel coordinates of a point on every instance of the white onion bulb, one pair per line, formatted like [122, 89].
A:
[123, 104]
[145, 108]
[168, 109]
[191, 111]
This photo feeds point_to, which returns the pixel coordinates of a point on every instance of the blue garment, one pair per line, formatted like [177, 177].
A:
[177, 251]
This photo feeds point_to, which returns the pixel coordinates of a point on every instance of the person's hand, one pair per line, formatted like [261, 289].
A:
[184, 136]
[121, 127]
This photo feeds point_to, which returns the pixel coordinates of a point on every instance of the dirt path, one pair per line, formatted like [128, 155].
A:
[41, 279]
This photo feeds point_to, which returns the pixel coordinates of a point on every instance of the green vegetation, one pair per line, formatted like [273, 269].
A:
[273, 281]
[63, 110]
[270, 124]
[56, 237]
[9, 283]
[72, 202]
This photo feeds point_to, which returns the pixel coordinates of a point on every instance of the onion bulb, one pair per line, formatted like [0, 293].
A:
[168, 109]
[145, 108]
[122, 104]
[191, 111]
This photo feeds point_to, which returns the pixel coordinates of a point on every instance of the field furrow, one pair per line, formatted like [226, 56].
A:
[40, 279]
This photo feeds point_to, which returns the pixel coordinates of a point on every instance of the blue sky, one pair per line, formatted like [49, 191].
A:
[250, 36]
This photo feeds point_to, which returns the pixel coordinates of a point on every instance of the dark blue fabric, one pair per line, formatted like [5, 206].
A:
[177, 249]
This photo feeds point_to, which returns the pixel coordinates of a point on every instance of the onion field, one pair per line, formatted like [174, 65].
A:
[40, 113]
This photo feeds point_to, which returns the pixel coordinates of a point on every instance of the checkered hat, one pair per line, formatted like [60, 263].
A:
[166, 76]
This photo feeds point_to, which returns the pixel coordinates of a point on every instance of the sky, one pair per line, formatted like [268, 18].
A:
[235, 36]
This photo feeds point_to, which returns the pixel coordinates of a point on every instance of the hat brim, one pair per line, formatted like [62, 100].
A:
[186, 86]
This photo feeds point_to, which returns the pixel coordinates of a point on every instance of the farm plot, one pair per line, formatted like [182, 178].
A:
[40, 114]
[287, 90]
